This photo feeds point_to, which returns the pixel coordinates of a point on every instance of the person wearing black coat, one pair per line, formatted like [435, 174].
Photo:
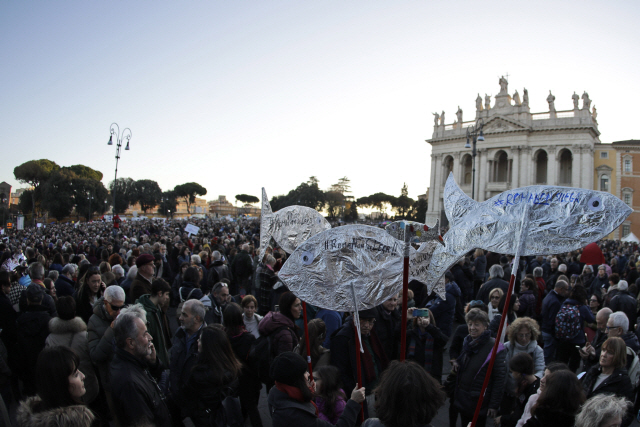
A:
[471, 368]
[65, 286]
[624, 302]
[425, 345]
[387, 326]
[612, 363]
[495, 281]
[32, 328]
[134, 369]
[290, 400]
[464, 278]
[343, 352]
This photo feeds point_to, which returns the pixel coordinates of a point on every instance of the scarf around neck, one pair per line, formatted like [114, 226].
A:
[295, 393]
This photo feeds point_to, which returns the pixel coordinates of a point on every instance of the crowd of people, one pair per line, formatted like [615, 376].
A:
[146, 324]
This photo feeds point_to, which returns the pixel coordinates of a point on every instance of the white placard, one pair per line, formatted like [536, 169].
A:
[192, 229]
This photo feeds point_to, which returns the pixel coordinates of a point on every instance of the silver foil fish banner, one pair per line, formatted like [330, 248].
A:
[290, 226]
[549, 219]
[327, 269]
[419, 261]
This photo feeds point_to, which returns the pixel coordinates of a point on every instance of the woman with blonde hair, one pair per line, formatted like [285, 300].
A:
[494, 301]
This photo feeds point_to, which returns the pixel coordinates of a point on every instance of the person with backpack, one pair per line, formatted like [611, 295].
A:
[190, 288]
[550, 307]
[569, 327]
[213, 379]
[241, 342]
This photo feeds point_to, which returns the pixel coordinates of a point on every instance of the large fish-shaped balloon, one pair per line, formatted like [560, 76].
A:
[550, 220]
[289, 226]
[419, 261]
[349, 268]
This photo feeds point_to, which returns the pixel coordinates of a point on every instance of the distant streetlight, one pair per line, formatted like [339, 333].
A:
[126, 134]
[475, 132]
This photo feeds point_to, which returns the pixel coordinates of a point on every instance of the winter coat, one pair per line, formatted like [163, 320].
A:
[332, 321]
[443, 310]
[101, 344]
[218, 271]
[550, 307]
[439, 341]
[47, 302]
[64, 286]
[204, 394]
[285, 339]
[265, 280]
[338, 409]
[181, 362]
[249, 382]
[241, 267]
[471, 377]
[457, 341]
[631, 340]
[187, 289]
[463, 276]
[480, 264]
[286, 412]
[617, 383]
[489, 285]
[156, 327]
[387, 328]
[140, 286]
[343, 355]
[136, 395]
[597, 285]
[29, 415]
[32, 328]
[73, 334]
[627, 304]
[527, 304]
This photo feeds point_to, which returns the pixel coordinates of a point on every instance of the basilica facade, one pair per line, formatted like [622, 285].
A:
[520, 148]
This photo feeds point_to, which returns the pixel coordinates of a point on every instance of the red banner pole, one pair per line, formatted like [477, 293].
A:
[487, 377]
[306, 338]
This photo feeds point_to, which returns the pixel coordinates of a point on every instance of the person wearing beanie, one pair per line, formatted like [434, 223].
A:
[290, 401]
[141, 285]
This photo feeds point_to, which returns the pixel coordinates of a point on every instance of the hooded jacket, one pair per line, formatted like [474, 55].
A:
[443, 310]
[286, 412]
[156, 327]
[283, 340]
[73, 334]
[100, 339]
[28, 415]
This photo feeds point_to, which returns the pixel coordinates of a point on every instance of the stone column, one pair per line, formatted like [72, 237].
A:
[515, 166]
[457, 168]
[552, 165]
[437, 191]
[526, 163]
[587, 167]
[480, 184]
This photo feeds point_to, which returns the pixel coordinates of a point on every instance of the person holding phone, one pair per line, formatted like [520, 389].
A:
[425, 342]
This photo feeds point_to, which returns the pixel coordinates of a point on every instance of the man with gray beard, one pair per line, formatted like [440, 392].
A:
[136, 394]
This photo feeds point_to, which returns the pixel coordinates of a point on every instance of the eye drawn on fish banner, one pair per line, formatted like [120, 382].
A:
[557, 220]
[290, 226]
[328, 268]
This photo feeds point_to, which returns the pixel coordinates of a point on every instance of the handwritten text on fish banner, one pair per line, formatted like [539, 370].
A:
[543, 198]
[361, 243]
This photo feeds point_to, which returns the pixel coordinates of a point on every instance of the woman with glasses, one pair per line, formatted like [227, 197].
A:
[91, 289]
[610, 376]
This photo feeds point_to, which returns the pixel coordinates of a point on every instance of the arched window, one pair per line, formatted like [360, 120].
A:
[604, 182]
[447, 168]
[566, 163]
[541, 167]
[501, 172]
[467, 169]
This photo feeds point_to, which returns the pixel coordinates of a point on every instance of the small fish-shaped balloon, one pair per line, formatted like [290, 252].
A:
[349, 268]
[415, 232]
[550, 219]
[289, 226]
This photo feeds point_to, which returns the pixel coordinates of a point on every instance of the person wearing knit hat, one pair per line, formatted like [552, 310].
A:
[290, 401]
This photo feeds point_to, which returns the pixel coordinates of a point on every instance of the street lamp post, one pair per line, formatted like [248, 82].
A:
[126, 134]
[475, 132]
